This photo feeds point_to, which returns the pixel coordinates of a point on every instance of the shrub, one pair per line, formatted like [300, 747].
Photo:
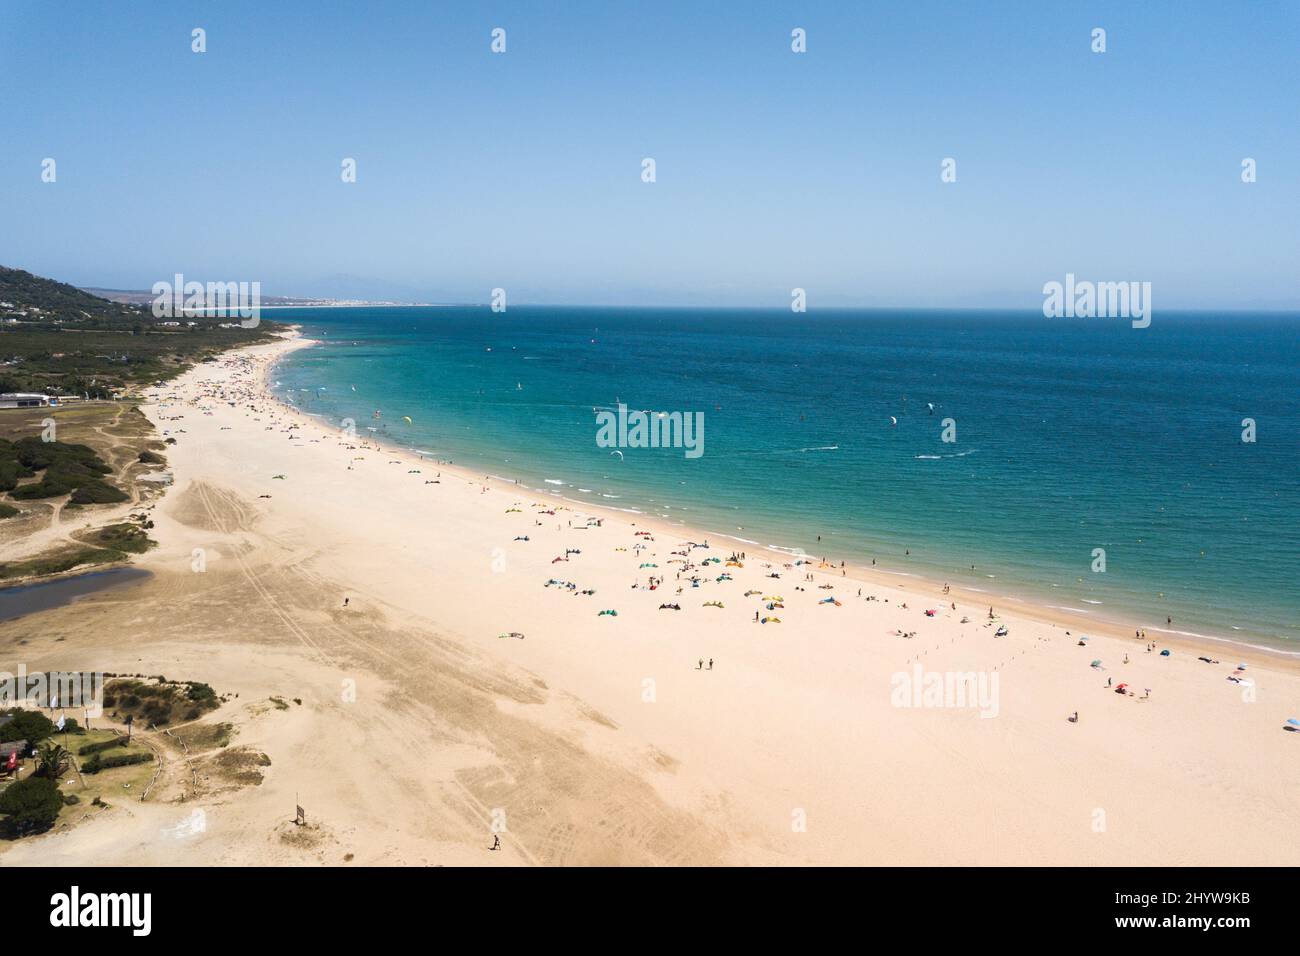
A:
[98, 493]
[30, 806]
[36, 453]
[100, 747]
[55, 563]
[121, 537]
[99, 762]
[200, 693]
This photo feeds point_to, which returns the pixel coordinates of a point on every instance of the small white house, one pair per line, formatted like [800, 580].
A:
[23, 400]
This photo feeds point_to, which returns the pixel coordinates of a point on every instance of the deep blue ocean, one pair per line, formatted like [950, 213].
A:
[1071, 435]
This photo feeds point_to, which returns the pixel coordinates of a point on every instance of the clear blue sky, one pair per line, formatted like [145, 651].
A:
[775, 170]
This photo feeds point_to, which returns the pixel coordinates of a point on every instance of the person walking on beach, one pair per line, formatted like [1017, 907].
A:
[496, 842]
[710, 663]
[700, 665]
[345, 601]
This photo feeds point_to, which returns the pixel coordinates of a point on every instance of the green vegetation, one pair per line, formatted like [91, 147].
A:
[124, 537]
[100, 746]
[29, 725]
[29, 806]
[206, 736]
[68, 469]
[69, 342]
[160, 703]
[52, 761]
[97, 493]
[100, 779]
[151, 458]
[8, 511]
[57, 562]
[100, 762]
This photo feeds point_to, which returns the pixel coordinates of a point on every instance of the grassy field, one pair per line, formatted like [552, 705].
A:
[49, 535]
[108, 786]
[113, 785]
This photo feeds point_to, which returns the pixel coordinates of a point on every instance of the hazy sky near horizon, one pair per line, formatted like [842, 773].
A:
[774, 170]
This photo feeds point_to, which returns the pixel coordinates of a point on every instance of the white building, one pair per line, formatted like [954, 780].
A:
[23, 400]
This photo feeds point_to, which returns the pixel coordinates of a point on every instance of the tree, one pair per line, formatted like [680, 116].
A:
[52, 761]
[30, 806]
[29, 725]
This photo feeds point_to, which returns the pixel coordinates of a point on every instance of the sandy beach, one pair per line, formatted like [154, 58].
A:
[370, 589]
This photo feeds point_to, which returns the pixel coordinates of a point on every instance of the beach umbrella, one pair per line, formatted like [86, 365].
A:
[1293, 722]
[1096, 663]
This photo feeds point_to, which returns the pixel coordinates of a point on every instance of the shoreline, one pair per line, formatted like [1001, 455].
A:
[1033, 608]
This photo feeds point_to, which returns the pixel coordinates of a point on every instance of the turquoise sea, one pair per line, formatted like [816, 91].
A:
[1071, 435]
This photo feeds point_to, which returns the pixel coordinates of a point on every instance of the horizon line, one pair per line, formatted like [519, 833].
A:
[1293, 310]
